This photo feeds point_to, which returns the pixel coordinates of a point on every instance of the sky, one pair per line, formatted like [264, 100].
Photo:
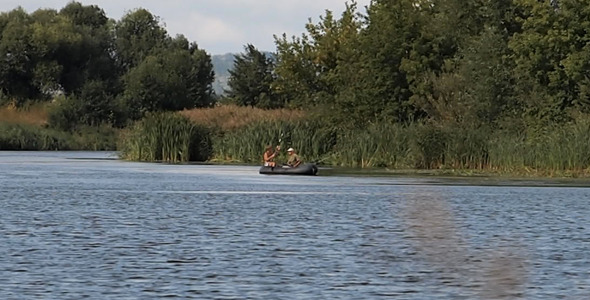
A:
[218, 26]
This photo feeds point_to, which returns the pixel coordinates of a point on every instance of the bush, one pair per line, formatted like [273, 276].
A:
[91, 106]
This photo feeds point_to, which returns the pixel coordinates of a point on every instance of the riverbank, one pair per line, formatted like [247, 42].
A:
[236, 135]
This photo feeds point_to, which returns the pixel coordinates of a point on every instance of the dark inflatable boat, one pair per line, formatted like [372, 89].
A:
[303, 169]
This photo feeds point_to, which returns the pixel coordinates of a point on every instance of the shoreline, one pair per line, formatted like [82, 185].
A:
[487, 177]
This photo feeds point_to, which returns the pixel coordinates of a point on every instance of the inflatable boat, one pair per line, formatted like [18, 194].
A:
[303, 169]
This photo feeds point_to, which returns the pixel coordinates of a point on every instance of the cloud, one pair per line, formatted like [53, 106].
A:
[207, 31]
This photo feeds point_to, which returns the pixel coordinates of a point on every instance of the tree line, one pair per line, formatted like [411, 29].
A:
[502, 63]
[99, 70]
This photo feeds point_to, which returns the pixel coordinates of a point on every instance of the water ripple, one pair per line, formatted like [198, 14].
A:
[110, 230]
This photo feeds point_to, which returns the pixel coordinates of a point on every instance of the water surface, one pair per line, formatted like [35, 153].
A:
[80, 225]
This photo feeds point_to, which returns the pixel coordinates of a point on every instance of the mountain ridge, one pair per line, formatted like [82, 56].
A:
[222, 63]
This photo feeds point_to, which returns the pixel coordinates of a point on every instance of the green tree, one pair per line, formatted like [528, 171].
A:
[473, 84]
[308, 66]
[251, 79]
[74, 50]
[91, 59]
[58, 43]
[200, 78]
[550, 58]
[91, 106]
[174, 79]
[18, 57]
[576, 18]
[137, 35]
[391, 36]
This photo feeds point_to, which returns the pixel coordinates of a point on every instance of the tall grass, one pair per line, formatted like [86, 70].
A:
[32, 137]
[231, 117]
[167, 137]
[417, 146]
[310, 138]
[29, 115]
[550, 149]
[425, 146]
[379, 145]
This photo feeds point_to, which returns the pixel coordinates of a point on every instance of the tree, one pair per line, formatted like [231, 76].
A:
[91, 106]
[200, 78]
[550, 56]
[469, 79]
[308, 66]
[91, 16]
[174, 79]
[92, 58]
[251, 79]
[18, 57]
[393, 34]
[137, 35]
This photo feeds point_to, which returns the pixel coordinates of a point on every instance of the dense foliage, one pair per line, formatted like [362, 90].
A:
[475, 63]
[250, 80]
[98, 70]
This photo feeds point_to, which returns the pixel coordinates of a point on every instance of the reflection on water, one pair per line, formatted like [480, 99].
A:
[98, 228]
[491, 273]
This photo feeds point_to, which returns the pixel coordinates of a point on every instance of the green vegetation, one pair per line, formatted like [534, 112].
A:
[232, 117]
[496, 86]
[244, 144]
[167, 137]
[250, 80]
[551, 151]
[31, 137]
[98, 70]
[91, 76]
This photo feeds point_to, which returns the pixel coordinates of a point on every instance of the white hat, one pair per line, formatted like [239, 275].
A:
[290, 149]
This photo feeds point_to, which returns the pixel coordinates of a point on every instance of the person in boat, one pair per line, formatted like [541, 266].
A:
[294, 160]
[269, 156]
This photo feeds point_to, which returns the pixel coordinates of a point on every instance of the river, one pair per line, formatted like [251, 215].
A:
[85, 225]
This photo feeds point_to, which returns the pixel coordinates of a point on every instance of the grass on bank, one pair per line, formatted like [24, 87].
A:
[239, 134]
[166, 137]
[26, 128]
[33, 137]
[31, 115]
[452, 149]
[232, 117]
[311, 138]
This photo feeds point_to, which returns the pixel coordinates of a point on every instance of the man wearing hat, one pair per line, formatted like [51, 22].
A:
[294, 160]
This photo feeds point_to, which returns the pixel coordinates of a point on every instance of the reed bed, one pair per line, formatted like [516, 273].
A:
[29, 115]
[95, 138]
[551, 149]
[231, 117]
[416, 146]
[379, 145]
[421, 146]
[166, 137]
[311, 138]
[33, 137]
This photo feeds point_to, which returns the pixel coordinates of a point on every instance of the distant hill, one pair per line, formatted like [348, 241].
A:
[222, 63]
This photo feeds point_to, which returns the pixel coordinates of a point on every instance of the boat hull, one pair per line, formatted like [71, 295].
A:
[303, 169]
